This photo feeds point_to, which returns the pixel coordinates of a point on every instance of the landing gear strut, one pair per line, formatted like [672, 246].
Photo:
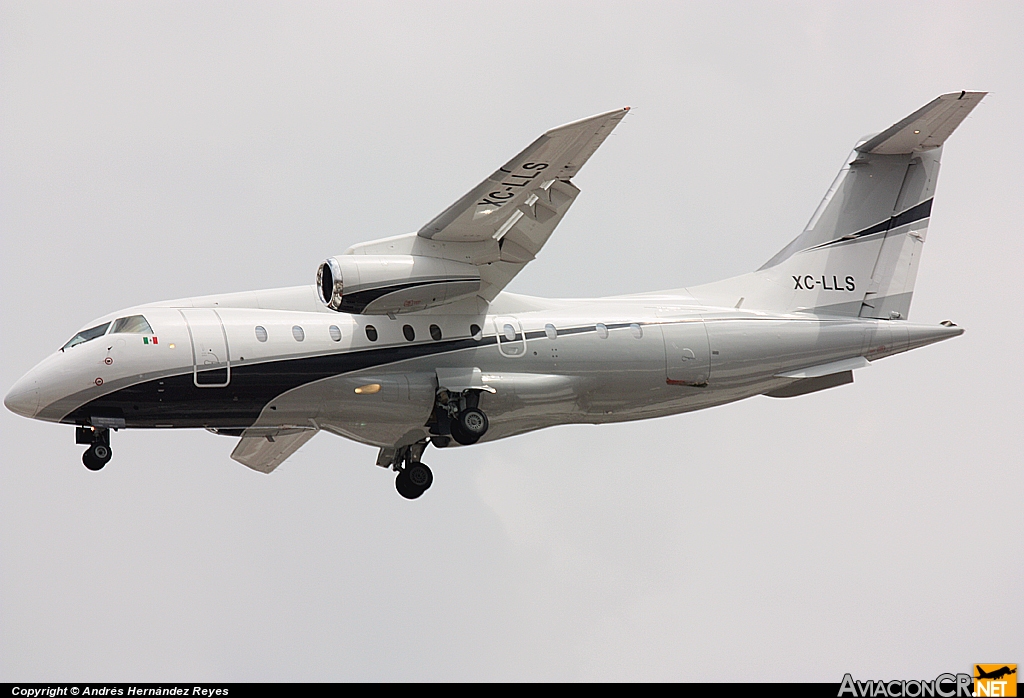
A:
[457, 416]
[98, 454]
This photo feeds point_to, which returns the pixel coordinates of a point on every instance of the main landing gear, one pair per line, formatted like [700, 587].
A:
[414, 477]
[458, 415]
[98, 454]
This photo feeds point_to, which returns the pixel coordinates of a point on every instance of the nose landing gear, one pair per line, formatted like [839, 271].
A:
[98, 454]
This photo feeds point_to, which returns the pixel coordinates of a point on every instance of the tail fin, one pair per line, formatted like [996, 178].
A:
[858, 255]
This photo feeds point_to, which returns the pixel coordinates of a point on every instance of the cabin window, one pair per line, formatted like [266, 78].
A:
[261, 333]
[602, 330]
[86, 335]
[409, 332]
[509, 332]
[335, 333]
[298, 333]
[474, 331]
[371, 333]
[133, 324]
[435, 333]
[637, 331]
[550, 331]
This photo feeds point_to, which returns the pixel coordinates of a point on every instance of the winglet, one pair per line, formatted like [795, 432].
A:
[926, 128]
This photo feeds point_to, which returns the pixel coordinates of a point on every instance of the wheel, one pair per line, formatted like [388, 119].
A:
[473, 422]
[96, 456]
[419, 475]
[405, 486]
[91, 461]
[461, 437]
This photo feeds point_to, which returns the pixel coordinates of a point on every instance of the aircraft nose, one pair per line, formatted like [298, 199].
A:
[23, 398]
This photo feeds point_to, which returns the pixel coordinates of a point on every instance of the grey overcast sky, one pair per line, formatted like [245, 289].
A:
[156, 150]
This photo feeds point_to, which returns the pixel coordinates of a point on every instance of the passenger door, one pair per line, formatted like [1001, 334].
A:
[211, 360]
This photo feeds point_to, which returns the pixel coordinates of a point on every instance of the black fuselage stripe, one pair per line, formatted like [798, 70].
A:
[911, 215]
[176, 400]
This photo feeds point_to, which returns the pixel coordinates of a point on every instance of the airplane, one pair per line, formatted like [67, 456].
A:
[995, 674]
[411, 340]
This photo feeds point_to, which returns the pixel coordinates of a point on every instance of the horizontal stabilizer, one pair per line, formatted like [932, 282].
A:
[264, 450]
[806, 386]
[827, 369]
[928, 127]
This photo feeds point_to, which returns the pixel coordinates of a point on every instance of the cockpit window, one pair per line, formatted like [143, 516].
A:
[134, 324]
[86, 335]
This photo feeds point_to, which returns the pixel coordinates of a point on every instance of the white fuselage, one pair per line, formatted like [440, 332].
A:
[541, 363]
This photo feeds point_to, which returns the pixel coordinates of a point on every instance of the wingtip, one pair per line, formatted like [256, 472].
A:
[615, 115]
[964, 93]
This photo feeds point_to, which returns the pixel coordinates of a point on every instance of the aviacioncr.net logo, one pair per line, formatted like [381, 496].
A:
[942, 686]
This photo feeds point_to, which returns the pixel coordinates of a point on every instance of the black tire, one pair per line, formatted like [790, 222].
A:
[473, 422]
[92, 462]
[420, 476]
[405, 487]
[461, 437]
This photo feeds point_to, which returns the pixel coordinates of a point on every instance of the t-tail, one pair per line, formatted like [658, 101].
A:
[859, 254]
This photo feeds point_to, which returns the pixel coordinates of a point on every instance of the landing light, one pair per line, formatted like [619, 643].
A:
[368, 389]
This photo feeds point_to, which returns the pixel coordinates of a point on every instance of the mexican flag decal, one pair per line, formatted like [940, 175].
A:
[149, 340]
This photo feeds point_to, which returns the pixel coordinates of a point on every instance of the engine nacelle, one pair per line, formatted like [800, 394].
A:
[389, 284]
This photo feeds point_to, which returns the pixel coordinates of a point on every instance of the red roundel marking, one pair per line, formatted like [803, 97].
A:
[99, 381]
[108, 361]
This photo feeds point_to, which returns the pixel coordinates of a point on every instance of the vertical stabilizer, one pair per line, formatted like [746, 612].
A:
[859, 254]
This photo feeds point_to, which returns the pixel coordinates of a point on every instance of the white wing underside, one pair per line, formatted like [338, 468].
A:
[264, 449]
[502, 223]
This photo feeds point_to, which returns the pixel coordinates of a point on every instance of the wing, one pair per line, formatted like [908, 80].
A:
[557, 155]
[502, 223]
[263, 450]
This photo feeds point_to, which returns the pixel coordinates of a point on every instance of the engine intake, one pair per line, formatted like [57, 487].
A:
[390, 284]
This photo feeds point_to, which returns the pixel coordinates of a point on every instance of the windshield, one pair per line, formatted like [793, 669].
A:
[134, 324]
[86, 335]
